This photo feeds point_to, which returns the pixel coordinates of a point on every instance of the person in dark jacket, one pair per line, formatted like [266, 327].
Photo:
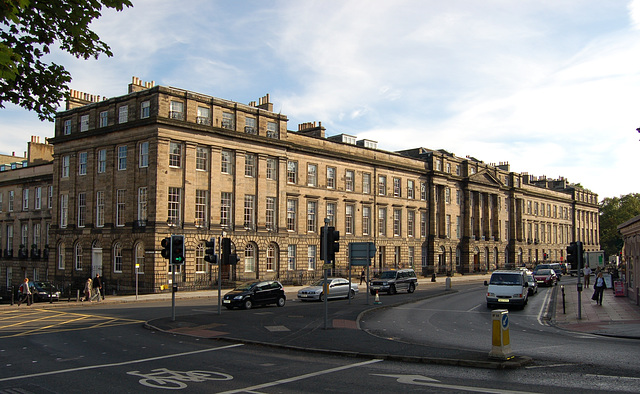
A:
[97, 287]
[599, 287]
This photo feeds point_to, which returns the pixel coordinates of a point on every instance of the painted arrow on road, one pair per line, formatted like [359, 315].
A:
[426, 381]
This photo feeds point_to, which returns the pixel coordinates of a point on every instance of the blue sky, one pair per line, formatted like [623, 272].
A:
[552, 87]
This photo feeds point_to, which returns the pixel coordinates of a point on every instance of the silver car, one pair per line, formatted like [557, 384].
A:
[337, 288]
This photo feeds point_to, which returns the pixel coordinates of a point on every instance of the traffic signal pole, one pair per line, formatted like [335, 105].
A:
[325, 253]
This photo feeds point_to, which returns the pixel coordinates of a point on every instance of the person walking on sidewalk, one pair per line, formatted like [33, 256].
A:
[587, 274]
[24, 293]
[87, 290]
[362, 276]
[599, 287]
[97, 287]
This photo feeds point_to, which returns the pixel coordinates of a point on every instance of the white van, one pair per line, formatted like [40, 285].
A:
[507, 288]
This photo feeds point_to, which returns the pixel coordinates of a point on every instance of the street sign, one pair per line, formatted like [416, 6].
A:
[361, 253]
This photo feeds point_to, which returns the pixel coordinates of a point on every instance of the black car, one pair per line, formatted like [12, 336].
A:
[255, 293]
[393, 281]
[44, 291]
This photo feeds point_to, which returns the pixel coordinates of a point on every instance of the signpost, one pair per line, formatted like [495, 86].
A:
[360, 255]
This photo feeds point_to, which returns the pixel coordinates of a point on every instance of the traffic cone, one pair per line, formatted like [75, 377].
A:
[377, 300]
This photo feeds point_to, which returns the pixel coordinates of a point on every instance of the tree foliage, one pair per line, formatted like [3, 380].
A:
[28, 30]
[613, 212]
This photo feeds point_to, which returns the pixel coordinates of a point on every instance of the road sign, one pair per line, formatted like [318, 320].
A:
[361, 253]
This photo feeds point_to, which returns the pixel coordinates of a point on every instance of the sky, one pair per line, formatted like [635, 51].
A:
[550, 86]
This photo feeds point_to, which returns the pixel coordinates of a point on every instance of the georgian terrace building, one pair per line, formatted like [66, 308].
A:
[134, 169]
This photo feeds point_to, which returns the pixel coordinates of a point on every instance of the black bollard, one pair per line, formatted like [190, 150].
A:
[564, 310]
[433, 277]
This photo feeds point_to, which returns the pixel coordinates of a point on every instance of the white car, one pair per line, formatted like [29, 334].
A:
[337, 288]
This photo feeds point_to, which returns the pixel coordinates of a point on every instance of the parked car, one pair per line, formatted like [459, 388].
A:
[44, 291]
[394, 281]
[255, 293]
[557, 267]
[508, 287]
[545, 277]
[532, 283]
[338, 288]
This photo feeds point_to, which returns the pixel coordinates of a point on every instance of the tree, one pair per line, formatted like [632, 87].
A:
[613, 212]
[28, 29]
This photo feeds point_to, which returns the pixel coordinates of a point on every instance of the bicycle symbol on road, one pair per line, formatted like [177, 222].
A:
[163, 378]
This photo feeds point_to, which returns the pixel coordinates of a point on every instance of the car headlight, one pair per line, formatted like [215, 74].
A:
[239, 297]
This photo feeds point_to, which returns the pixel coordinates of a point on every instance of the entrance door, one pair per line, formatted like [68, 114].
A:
[96, 262]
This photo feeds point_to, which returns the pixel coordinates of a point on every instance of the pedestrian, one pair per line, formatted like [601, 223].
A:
[362, 276]
[599, 287]
[24, 293]
[97, 287]
[87, 290]
[587, 274]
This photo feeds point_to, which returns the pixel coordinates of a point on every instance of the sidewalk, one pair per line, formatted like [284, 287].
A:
[616, 317]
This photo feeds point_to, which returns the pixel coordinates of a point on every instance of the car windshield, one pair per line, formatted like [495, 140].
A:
[45, 286]
[506, 279]
[320, 282]
[544, 272]
[247, 286]
[388, 275]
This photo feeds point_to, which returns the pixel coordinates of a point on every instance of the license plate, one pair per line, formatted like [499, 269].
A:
[503, 300]
[226, 301]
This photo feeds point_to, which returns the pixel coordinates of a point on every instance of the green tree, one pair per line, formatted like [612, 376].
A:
[28, 30]
[613, 212]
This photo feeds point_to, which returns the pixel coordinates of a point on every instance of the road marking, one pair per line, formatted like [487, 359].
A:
[550, 366]
[142, 360]
[420, 380]
[301, 377]
[545, 307]
[612, 377]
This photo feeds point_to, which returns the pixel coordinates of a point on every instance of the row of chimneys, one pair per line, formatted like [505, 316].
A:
[75, 94]
[137, 81]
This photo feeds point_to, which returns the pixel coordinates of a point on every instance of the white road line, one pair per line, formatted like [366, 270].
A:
[301, 377]
[143, 360]
[545, 308]
[612, 377]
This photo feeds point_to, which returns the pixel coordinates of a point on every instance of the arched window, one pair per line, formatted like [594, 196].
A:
[61, 255]
[250, 258]
[78, 256]
[117, 257]
[272, 257]
[200, 263]
[139, 257]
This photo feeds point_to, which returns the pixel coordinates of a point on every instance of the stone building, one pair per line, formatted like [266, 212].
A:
[26, 198]
[630, 231]
[134, 169]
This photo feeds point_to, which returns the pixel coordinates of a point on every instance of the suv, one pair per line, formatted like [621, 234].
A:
[392, 281]
[255, 293]
[507, 288]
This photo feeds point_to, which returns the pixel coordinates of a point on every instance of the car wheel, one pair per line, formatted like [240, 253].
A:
[321, 297]
[248, 304]
[392, 289]
[411, 288]
[352, 294]
[281, 301]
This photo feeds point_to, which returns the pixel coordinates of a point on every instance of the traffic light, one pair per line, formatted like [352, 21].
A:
[233, 259]
[210, 251]
[574, 254]
[322, 243]
[177, 249]
[226, 250]
[333, 246]
[166, 247]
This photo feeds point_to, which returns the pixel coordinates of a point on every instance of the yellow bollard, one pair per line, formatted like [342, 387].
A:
[501, 344]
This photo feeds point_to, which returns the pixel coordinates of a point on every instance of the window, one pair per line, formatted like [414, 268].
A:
[292, 207]
[411, 218]
[139, 257]
[38, 199]
[458, 172]
[382, 222]
[331, 213]
[61, 256]
[366, 183]
[311, 257]
[271, 214]
[312, 175]
[143, 161]
[201, 208]
[36, 235]
[271, 257]
[142, 206]
[226, 166]
[272, 130]
[78, 257]
[250, 125]
[65, 166]
[331, 178]
[448, 226]
[64, 210]
[122, 157]
[397, 187]
[250, 258]
[410, 189]
[292, 172]
[203, 116]
[448, 168]
[117, 258]
[11, 198]
[250, 165]
[104, 118]
[227, 120]
[145, 108]
[272, 168]
[202, 158]
[348, 218]
[438, 165]
[84, 123]
[447, 195]
[312, 211]
[382, 185]
[173, 208]
[102, 161]
[291, 257]
[120, 207]
[67, 127]
[226, 200]
[25, 199]
[82, 163]
[10, 237]
[50, 197]
[25, 235]
[397, 222]
[175, 154]
[366, 220]
[458, 227]
[177, 110]
[1, 207]
[423, 191]
[123, 114]
[249, 211]
[100, 209]
[82, 209]
[348, 180]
